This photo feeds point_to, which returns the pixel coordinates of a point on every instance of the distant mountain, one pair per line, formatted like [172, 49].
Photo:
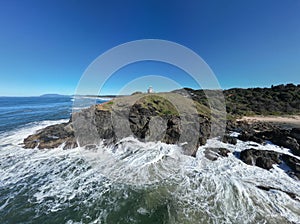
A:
[52, 95]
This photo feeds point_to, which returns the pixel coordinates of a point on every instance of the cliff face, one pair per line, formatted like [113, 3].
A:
[146, 117]
[171, 118]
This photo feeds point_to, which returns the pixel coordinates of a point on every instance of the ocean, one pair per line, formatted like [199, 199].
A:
[136, 182]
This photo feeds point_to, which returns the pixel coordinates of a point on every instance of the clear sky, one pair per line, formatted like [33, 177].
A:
[45, 46]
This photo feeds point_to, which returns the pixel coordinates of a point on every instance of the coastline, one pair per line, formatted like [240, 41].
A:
[283, 121]
[259, 161]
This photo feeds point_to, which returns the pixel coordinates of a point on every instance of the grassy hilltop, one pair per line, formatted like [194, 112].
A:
[277, 100]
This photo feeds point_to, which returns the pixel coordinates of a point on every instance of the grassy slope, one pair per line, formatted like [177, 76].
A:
[278, 100]
[163, 103]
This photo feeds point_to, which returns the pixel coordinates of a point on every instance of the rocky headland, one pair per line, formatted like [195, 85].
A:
[146, 117]
[174, 118]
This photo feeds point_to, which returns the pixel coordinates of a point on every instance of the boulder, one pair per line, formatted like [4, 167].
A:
[261, 158]
[229, 139]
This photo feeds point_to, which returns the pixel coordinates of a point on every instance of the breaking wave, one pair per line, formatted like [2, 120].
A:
[137, 182]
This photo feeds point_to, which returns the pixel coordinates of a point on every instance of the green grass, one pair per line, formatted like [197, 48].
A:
[160, 104]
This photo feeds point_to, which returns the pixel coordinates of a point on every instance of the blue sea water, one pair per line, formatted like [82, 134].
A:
[18, 111]
[135, 182]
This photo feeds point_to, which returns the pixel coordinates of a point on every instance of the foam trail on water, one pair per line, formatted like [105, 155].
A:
[136, 182]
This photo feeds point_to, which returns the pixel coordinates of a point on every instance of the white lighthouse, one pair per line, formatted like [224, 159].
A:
[150, 89]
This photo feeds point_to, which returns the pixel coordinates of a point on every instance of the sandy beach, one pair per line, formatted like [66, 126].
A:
[289, 120]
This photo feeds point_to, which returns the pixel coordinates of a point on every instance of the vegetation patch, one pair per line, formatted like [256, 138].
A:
[105, 106]
[157, 103]
[277, 100]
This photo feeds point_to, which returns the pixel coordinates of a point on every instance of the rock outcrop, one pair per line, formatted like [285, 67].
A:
[167, 117]
[262, 132]
[146, 117]
[215, 153]
[261, 158]
[52, 137]
[266, 159]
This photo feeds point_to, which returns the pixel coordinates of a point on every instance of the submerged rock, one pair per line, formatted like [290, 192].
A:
[268, 188]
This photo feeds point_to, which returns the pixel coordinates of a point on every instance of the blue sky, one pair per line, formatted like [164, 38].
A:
[45, 46]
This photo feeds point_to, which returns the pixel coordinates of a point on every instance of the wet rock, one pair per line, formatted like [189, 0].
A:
[51, 137]
[280, 137]
[261, 158]
[70, 144]
[292, 144]
[247, 136]
[293, 163]
[266, 159]
[268, 188]
[214, 153]
[295, 133]
[229, 139]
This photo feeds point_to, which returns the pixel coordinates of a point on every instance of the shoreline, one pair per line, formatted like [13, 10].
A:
[287, 121]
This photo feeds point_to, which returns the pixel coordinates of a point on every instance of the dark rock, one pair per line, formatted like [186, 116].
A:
[51, 137]
[279, 137]
[70, 144]
[264, 162]
[295, 133]
[202, 140]
[261, 158]
[292, 144]
[293, 163]
[267, 188]
[247, 136]
[223, 152]
[266, 159]
[214, 153]
[229, 139]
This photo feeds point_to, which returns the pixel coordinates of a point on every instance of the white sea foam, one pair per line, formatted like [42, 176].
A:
[197, 190]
